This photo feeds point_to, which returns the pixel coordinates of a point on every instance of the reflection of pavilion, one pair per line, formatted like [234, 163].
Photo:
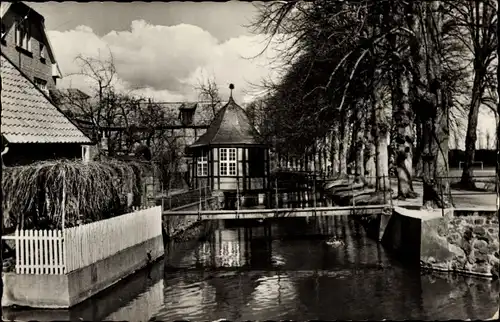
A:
[234, 248]
[226, 248]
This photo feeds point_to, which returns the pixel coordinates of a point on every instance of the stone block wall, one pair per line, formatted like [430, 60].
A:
[465, 241]
[175, 225]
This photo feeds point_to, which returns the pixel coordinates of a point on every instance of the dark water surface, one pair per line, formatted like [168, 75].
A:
[255, 273]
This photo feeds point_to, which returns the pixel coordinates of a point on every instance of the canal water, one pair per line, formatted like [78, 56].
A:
[278, 270]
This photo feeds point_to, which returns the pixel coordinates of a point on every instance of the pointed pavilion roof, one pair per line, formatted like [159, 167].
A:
[230, 127]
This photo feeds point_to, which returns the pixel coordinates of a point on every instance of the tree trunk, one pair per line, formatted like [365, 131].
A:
[370, 150]
[436, 123]
[318, 157]
[498, 150]
[471, 137]
[344, 145]
[335, 150]
[417, 159]
[498, 115]
[435, 161]
[360, 142]
[404, 138]
[381, 132]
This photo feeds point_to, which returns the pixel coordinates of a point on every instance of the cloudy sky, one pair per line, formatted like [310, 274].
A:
[161, 50]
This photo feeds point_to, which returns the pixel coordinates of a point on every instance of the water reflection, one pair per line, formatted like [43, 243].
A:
[136, 298]
[282, 270]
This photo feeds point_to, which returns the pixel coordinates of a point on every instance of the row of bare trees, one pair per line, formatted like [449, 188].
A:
[128, 123]
[121, 123]
[381, 80]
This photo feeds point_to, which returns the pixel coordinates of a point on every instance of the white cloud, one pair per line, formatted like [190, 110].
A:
[165, 62]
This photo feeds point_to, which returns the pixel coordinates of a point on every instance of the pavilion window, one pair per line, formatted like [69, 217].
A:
[227, 162]
[202, 164]
[256, 162]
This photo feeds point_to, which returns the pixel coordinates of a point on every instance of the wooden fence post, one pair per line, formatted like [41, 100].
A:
[63, 205]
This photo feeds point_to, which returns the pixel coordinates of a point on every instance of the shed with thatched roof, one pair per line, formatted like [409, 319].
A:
[231, 156]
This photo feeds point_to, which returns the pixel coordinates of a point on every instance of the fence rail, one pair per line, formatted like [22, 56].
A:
[63, 251]
[90, 243]
[474, 162]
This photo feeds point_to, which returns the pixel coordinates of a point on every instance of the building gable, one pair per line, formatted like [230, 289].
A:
[25, 43]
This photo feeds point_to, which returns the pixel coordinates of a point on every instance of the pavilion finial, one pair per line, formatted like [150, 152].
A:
[231, 87]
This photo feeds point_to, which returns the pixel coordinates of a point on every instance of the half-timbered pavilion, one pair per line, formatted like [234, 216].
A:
[231, 156]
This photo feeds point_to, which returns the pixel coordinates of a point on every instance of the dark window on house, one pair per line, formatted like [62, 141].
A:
[256, 162]
[42, 53]
[186, 117]
[23, 35]
[41, 83]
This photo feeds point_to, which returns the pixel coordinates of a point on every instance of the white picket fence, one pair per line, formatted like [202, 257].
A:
[90, 243]
[63, 251]
[39, 251]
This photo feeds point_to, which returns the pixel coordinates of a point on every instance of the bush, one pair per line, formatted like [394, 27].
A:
[33, 194]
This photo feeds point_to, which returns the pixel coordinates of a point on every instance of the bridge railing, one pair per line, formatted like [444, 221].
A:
[179, 199]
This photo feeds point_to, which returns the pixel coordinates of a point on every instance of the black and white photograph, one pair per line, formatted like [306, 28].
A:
[322, 160]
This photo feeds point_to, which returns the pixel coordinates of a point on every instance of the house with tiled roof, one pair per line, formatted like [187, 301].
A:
[183, 123]
[73, 102]
[25, 43]
[33, 128]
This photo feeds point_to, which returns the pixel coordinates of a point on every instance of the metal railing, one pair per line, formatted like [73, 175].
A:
[178, 199]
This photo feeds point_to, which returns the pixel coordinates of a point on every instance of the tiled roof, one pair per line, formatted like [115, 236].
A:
[231, 126]
[71, 101]
[28, 116]
[188, 106]
[203, 114]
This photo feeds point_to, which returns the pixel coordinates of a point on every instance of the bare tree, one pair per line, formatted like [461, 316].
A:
[209, 91]
[475, 26]
[104, 108]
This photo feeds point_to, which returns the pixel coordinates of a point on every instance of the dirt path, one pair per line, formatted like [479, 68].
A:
[461, 198]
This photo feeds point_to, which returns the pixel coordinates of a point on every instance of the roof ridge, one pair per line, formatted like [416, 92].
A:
[222, 111]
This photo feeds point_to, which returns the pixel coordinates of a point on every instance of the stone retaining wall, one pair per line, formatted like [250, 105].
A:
[458, 241]
[472, 239]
